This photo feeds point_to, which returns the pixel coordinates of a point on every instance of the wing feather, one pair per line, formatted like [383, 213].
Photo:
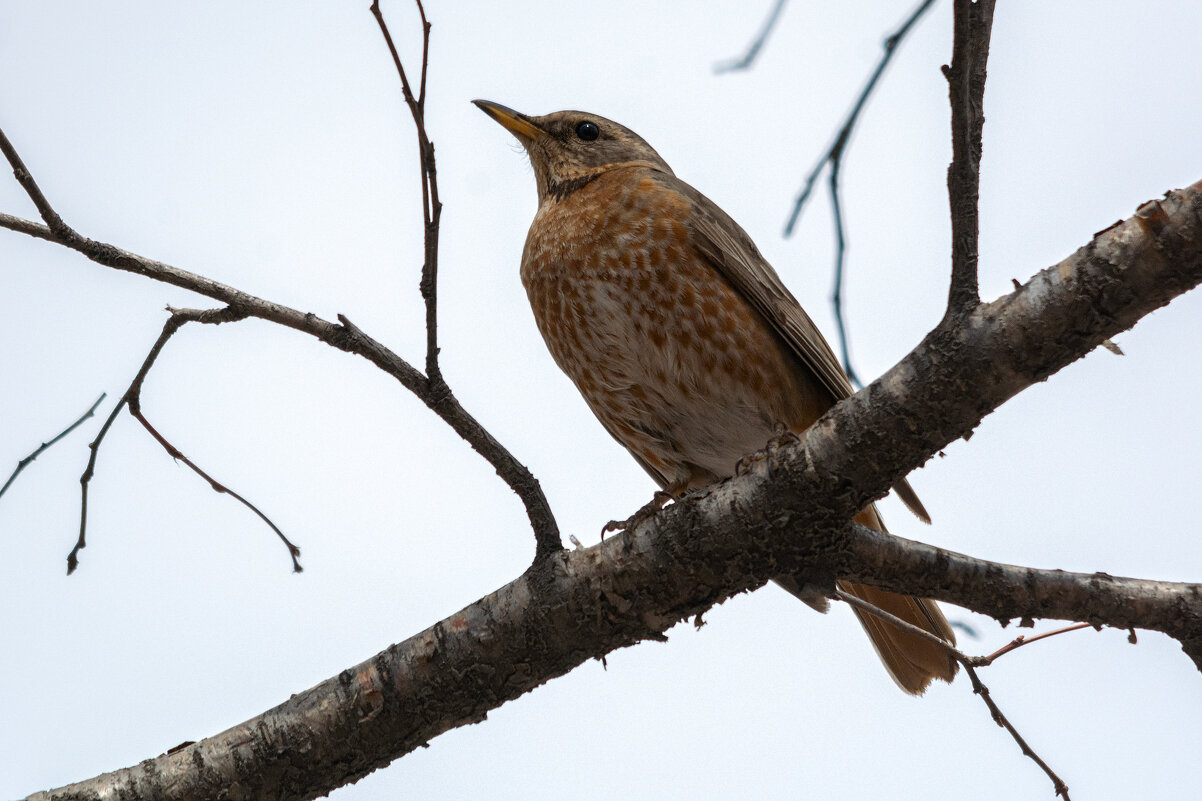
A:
[726, 246]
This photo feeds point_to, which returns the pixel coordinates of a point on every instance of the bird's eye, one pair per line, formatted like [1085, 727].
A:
[588, 131]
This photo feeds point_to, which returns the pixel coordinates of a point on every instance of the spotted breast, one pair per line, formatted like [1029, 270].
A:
[672, 360]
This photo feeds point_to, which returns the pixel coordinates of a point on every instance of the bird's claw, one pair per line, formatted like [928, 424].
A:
[657, 502]
[760, 462]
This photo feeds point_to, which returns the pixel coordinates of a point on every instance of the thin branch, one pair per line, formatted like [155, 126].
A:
[952, 651]
[22, 226]
[25, 179]
[837, 292]
[435, 395]
[970, 663]
[21, 465]
[84, 481]
[894, 620]
[834, 157]
[431, 206]
[133, 398]
[175, 453]
[757, 44]
[438, 394]
[980, 689]
[1022, 639]
[966, 91]
[844, 134]
[421, 94]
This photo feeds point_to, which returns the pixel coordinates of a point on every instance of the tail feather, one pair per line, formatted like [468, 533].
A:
[906, 493]
[911, 660]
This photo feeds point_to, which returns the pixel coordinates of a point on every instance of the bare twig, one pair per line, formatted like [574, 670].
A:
[21, 465]
[421, 93]
[84, 481]
[753, 50]
[840, 261]
[431, 206]
[970, 664]
[1022, 639]
[966, 91]
[438, 394]
[133, 399]
[25, 179]
[952, 651]
[980, 689]
[834, 157]
[136, 410]
[434, 394]
[896, 621]
[835, 151]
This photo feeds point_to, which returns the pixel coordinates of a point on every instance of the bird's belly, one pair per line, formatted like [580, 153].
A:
[677, 366]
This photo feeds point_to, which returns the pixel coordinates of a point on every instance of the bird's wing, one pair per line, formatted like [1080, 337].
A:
[725, 245]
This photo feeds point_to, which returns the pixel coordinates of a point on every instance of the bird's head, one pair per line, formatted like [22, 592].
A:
[567, 147]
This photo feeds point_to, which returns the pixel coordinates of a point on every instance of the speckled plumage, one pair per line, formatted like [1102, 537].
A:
[679, 335]
[675, 364]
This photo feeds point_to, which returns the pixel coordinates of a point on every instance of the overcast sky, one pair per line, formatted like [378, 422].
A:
[266, 145]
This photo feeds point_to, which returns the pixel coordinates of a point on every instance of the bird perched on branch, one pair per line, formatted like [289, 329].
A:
[680, 336]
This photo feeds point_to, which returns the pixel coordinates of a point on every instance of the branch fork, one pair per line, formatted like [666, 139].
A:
[429, 387]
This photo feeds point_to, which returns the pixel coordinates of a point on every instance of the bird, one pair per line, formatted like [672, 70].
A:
[682, 338]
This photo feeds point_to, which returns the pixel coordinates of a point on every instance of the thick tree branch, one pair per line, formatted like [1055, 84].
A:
[786, 512]
[987, 587]
[966, 91]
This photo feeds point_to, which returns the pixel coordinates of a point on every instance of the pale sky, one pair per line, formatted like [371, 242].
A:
[266, 145]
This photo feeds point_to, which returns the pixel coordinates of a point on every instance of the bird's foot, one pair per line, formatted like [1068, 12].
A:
[657, 502]
[760, 462]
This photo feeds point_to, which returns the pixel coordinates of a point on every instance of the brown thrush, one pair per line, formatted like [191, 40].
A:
[681, 337]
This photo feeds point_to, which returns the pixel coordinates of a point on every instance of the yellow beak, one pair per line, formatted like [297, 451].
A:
[517, 124]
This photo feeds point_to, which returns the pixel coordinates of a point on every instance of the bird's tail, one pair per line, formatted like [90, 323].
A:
[911, 660]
